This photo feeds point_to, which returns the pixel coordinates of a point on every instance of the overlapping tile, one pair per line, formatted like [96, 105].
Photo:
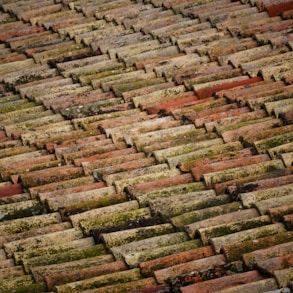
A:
[147, 145]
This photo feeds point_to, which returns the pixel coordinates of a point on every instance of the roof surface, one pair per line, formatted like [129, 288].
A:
[146, 146]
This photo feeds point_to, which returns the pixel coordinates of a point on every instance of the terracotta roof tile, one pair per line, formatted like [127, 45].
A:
[11, 190]
[149, 14]
[100, 281]
[224, 282]
[170, 260]
[119, 39]
[110, 221]
[187, 267]
[254, 233]
[191, 9]
[166, 184]
[266, 254]
[82, 101]
[234, 251]
[278, 8]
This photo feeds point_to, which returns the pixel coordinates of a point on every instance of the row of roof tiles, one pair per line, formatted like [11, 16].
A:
[132, 163]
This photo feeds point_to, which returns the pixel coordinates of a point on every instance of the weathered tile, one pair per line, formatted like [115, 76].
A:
[223, 282]
[238, 172]
[150, 173]
[83, 273]
[113, 221]
[100, 281]
[187, 219]
[146, 16]
[189, 158]
[252, 67]
[148, 267]
[187, 267]
[74, 199]
[209, 89]
[41, 272]
[190, 201]
[29, 223]
[161, 251]
[93, 214]
[47, 239]
[234, 227]
[12, 272]
[153, 123]
[267, 253]
[233, 117]
[35, 232]
[166, 184]
[140, 285]
[24, 282]
[164, 154]
[254, 233]
[247, 129]
[253, 197]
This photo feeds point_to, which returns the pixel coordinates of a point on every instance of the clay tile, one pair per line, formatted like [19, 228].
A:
[277, 9]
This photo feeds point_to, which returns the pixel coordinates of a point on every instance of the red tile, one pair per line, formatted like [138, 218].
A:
[223, 283]
[109, 154]
[166, 107]
[261, 184]
[167, 261]
[207, 92]
[4, 36]
[203, 113]
[10, 190]
[83, 273]
[49, 175]
[277, 9]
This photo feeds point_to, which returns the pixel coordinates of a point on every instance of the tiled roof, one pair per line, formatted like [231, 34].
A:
[146, 146]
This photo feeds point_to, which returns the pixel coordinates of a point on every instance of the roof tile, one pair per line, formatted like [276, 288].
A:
[195, 216]
[278, 8]
[100, 130]
[100, 281]
[254, 233]
[224, 282]
[261, 255]
[41, 272]
[83, 273]
[202, 227]
[195, 265]
[170, 260]
[134, 286]
[234, 251]
[112, 221]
